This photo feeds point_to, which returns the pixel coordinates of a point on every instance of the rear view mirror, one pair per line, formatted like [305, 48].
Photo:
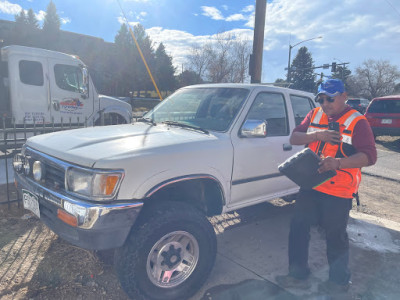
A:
[254, 128]
[85, 87]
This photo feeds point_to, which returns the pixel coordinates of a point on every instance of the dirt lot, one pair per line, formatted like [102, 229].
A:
[35, 264]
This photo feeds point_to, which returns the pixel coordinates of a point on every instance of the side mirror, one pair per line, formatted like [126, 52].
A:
[85, 85]
[254, 128]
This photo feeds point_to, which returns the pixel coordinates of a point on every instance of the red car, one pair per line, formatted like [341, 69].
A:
[383, 114]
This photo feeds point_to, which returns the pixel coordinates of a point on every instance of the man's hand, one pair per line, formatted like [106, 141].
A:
[329, 136]
[328, 163]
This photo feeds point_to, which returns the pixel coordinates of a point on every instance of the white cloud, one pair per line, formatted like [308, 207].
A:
[140, 16]
[235, 17]
[41, 15]
[178, 43]
[139, 1]
[65, 20]
[248, 8]
[121, 20]
[216, 14]
[212, 12]
[9, 8]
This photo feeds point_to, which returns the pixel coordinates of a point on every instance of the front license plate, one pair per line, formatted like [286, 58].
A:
[386, 121]
[31, 202]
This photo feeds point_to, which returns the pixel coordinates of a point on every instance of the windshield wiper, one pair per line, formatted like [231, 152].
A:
[186, 126]
[147, 120]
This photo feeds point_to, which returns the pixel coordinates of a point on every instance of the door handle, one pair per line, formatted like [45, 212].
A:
[287, 147]
[56, 105]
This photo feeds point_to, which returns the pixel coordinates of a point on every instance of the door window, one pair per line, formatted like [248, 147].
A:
[271, 108]
[69, 78]
[31, 72]
[301, 107]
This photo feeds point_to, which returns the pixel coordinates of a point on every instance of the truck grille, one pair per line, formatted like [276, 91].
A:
[54, 177]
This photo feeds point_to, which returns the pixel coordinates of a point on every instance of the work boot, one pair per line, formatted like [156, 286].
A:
[330, 287]
[288, 281]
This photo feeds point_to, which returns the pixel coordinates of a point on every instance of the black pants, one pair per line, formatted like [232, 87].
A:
[332, 214]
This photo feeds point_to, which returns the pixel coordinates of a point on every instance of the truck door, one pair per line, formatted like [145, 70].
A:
[29, 87]
[255, 176]
[70, 101]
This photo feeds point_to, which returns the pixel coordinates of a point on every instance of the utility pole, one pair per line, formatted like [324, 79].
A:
[255, 64]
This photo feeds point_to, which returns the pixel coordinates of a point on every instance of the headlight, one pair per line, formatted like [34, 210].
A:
[93, 184]
[18, 162]
[38, 170]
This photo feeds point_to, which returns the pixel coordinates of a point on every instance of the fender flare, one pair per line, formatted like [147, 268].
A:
[127, 115]
[170, 181]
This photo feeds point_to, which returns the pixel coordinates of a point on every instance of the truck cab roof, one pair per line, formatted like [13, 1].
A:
[35, 52]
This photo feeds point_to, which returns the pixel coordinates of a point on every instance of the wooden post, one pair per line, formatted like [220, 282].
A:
[255, 67]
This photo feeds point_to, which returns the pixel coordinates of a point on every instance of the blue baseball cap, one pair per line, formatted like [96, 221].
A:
[331, 87]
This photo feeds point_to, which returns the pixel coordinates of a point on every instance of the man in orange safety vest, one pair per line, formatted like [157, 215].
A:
[344, 141]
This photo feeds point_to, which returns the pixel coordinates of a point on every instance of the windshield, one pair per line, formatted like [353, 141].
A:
[353, 101]
[207, 108]
[385, 106]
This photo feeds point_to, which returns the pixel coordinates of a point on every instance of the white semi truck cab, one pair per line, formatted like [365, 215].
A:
[42, 86]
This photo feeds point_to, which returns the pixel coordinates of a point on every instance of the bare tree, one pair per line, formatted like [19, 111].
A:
[221, 62]
[374, 78]
[223, 59]
[242, 50]
[199, 58]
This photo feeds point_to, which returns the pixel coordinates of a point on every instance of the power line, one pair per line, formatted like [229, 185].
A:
[393, 7]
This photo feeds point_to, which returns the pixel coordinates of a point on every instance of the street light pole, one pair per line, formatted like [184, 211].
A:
[290, 52]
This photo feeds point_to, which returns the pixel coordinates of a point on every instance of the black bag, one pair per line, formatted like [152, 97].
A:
[302, 169]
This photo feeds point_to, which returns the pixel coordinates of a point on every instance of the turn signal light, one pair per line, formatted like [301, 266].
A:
[67, 218]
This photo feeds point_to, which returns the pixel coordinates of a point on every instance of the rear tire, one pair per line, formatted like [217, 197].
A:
[169, 255]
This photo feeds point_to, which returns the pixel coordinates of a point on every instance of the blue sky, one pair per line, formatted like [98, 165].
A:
[352, 30]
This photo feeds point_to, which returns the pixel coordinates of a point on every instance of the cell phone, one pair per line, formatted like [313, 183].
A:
[334, 126]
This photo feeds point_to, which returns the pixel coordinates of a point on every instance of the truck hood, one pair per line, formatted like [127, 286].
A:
[87, 146]
[111, 99]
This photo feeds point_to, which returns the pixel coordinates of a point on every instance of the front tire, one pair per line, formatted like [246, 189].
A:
[169, 255]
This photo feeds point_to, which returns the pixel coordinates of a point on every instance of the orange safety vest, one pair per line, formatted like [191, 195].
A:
[345, 183]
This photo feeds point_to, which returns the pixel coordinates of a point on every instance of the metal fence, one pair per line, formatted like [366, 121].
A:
[12, 138]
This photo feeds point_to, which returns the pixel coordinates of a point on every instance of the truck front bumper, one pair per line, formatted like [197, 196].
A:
[100, 226]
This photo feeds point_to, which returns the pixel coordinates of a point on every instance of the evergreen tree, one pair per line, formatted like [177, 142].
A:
[52, 23]
[21, 18]
[164, 71]
[32, 20]
[188, 78]
[302, 72]
[123, 38]
[19, 34]
[142, 78]
[125, 61]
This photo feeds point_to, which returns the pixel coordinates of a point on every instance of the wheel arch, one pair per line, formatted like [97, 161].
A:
[202, 191]
[126, 115]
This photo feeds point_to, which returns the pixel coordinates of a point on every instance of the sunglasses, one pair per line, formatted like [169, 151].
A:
[321, 99]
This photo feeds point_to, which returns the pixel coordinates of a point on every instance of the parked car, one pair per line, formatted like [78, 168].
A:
[383, 114]
[358, 104]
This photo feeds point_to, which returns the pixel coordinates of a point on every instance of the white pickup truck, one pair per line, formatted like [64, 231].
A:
[147, 188]
[42, 86]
